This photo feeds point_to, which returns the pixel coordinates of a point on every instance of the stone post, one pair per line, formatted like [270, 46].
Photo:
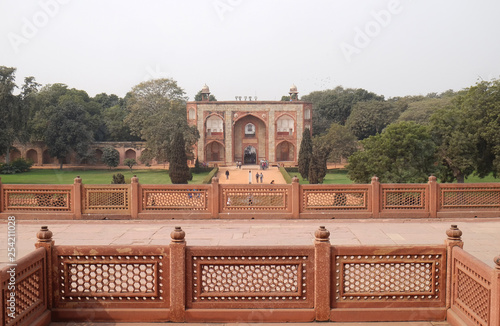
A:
[177, 275]
[135, 197]
[454, 240]
[495, 295]
[376, 199]
[45, 241]
[433, 196]
[295, 199]
[215, 200]
[77, 200]
[322, 273]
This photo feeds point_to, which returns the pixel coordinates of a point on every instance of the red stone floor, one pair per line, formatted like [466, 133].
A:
[481, 236]
[259, 324]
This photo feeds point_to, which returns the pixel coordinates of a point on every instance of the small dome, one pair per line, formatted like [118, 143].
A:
[293, 89]
[205, 89]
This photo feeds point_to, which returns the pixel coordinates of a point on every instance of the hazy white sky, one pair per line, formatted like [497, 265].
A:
[253, 47]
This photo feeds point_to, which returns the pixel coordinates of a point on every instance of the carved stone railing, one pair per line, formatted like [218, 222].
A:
[179, 283]
[292, 201]
[475, 291]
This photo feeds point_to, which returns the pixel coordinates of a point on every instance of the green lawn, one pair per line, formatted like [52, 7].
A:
[339, 176]
[67, 176]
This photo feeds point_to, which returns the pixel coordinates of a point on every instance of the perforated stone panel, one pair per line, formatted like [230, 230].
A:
[472, 297]
[273, 199]
[106, 198]
[466, 198]
[111, 277]
[28, 294]
[403, 198]
[250, 279]
[338, 199]
[172, 199]
[400, 278]
[37, 200]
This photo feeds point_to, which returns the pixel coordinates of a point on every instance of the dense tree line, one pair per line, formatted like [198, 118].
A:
[405, 139]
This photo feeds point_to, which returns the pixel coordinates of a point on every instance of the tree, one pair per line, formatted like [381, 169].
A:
[371, 117]
[198, 97]
[403, 153]
[67, 129]
[15, 110]
[421, 111]
[339, 142]
[456, 148]
[179, 170]
[110, 157]
[8, 103]
[157, 111]
[317, 165]
[305, 153]
[480, 105]
[130, 162]
[334, 105]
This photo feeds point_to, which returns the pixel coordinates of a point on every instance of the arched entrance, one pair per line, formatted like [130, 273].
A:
[32, 155]
[250, 156]
[250, 139]
[214, 152]
[285, 151]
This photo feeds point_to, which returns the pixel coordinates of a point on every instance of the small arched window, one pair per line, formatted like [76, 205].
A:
[249, 130]
[191, 114]
[307, 114]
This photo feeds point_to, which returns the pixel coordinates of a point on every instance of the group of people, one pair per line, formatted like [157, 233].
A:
[264, 164]
[258, 176]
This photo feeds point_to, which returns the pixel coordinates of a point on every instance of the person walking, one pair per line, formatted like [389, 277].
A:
[249, 177]
[257, 175]
[227, 174]
[261, 176]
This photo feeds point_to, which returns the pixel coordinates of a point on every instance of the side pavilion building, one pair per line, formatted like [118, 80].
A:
[249, 131]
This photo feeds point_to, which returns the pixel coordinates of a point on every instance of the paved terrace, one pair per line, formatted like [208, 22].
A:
[481, 236]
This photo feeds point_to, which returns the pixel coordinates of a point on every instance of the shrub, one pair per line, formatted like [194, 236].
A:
[110, 157]
[118, 179]
[285, 174]
[130, 162]
[17, 166]
[209, 177]
[22, 165]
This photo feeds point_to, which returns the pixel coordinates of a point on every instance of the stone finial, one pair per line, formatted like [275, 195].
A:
[78, 179]
[497, 261]
[322, 234]
[215, 180]
[295, 179]
[374, 179]
[44, 235]
[454, 233]
[177, 234]
[134, 179]
[432, 178]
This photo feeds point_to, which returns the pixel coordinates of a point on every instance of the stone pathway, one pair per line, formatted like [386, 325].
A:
[240, 176]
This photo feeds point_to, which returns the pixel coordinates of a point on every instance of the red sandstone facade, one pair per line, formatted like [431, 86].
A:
[249, 131]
